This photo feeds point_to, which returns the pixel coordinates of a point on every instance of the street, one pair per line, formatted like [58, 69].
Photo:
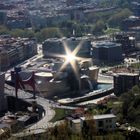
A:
[42, 124]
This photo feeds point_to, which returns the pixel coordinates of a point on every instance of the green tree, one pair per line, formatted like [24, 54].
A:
[3, 30]
[99, 27]
[22, 33]
[48, 33]
[89, 127]
[61, 132]
[116, 19]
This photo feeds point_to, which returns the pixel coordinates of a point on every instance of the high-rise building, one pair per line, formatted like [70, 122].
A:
[3, 103]
[106, 52]
[128, 43]
[53, 47]
[130, 23]
[15, 50]
[124, 82]
[136, 8]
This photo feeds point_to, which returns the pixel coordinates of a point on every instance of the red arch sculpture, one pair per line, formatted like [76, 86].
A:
[19, 83]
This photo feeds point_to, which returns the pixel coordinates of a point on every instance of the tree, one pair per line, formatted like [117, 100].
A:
[116, 19]
[3, 30]
[89, 127]
[22, 33]
[60, 132]
[130, 109]
[48, 33]
[99, 27]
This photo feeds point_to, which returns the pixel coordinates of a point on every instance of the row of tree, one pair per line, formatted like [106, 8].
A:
[62, 132]
[129, 109]
[93, 23]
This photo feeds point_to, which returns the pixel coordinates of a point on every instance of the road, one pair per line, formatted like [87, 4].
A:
[42, 124]
[47, 105]
[94, 101]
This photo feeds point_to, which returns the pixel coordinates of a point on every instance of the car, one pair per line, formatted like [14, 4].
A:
[126, 125]
[118, 124]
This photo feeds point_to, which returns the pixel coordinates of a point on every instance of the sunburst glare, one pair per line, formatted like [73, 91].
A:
[70, 57]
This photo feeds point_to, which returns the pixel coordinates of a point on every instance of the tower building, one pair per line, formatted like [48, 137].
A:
[3, 103]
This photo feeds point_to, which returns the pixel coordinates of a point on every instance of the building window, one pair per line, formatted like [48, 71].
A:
[70, 123]
[110, 121]
[100, 123]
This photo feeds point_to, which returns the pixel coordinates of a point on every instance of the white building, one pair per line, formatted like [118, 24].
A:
[105, 122]
[74, 125]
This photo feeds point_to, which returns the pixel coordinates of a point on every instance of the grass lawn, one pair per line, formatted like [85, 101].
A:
[61, 114]
[136, 65]
[111, 30]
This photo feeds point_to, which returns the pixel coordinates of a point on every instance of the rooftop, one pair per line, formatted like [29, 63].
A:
[104, 116]
[76, 120]
[93, 68]
[44, 74]
[10, 43]
[99, 117]
[105, 44]
[126, 74]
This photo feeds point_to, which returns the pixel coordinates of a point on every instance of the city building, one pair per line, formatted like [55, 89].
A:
[15, 50]
[16, 18]
[136, 8]
[50, 87]
[128, 42]
[106, 52]
[2, 17]
[54, 46]
[4, 8]
[132, 21]
[74, 2]
[75, 12]
[3, 101]
[93, 73]
[123, 82]
[4, 60]
[83, 43]
[104, 122]
[51, 80]
[71, 2]
[89, 79]
[47, 83]
[43, 19]
[74, 124]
